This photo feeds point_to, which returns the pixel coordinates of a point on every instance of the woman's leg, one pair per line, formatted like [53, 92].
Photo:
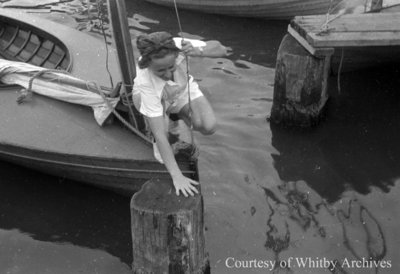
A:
[202, 115]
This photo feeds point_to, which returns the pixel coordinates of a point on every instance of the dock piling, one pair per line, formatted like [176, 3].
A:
[167, 231]
[300, 90]
[307, 55]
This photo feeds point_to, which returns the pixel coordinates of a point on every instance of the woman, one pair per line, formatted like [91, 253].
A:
[161, 88]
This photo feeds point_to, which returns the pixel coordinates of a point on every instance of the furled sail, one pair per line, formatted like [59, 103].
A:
[58, 85]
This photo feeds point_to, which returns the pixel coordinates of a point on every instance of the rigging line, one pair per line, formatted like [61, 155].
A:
[187, 73]
[179, 19]
[333, 8]
[101, 15]
[324, 28]
[143, 137]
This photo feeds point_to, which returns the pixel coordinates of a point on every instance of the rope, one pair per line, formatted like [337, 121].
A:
[27, 93]
[121, 119]
[128, 101]
[325, 26]
[101, 16]
[187, 74]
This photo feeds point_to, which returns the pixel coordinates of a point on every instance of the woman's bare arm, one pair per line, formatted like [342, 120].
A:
[181, 183]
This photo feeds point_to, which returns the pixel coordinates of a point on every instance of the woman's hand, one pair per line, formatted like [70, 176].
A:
[188, 49]
[181, 183]
[185, 185]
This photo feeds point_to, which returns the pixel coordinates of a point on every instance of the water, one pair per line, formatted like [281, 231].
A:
[271, 194]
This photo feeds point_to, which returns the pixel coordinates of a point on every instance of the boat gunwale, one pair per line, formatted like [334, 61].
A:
[99, 162]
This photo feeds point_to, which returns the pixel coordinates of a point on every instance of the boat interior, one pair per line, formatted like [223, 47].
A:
[34, 46]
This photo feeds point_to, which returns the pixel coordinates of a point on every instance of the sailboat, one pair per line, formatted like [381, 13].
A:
[48, 133]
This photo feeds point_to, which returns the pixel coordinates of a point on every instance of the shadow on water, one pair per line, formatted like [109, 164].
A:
[68, 212]
[356, 147]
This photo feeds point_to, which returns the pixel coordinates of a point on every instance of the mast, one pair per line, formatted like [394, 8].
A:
[123, 45]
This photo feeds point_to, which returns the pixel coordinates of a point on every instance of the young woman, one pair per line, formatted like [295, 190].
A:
[161, 88]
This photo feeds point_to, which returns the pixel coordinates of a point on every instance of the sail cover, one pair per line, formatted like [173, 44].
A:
[58, 85]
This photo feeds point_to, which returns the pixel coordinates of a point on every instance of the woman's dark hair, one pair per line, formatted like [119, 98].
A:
[155, 45]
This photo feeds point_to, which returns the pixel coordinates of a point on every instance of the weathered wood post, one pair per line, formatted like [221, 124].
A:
[167, 231]
[301, 80]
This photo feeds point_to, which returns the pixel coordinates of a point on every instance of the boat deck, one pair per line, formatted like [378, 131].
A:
[79, 134]
[64, 140]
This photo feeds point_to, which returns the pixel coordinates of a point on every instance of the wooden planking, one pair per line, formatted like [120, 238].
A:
[356, 39]
[318, 52]
[351, 30]
[362, 23]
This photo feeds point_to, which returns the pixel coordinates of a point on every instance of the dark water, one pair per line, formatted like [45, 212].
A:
[270, 193]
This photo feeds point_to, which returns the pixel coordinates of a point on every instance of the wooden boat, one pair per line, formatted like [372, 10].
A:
[61, 138]
[266, 9]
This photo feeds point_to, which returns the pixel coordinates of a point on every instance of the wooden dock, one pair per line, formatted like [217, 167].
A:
[315, 44]
[353, 30]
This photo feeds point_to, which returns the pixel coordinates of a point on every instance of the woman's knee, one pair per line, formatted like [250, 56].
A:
[208, 126]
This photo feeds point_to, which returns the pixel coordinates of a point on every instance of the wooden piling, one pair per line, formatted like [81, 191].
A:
[304, 58]
[300, 90]
[167, 231]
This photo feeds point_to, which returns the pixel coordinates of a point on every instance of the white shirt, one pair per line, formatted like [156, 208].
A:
[157, 95]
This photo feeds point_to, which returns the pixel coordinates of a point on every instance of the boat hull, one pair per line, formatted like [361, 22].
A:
[265, 9]
[124, 176]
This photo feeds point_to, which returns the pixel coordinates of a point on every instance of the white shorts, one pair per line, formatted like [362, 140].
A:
[183, 99]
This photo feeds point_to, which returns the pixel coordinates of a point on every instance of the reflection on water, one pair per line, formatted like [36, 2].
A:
[329, 173]
[47, 209]
[24, 254]
[302, 225]
[270, 193]
[357, 147]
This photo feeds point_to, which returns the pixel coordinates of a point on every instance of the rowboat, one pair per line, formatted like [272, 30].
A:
[266, 9]
[61, 138]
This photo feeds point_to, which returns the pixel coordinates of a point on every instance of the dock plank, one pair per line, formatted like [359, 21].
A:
[355, 39]
[352, 24]
[374, 29]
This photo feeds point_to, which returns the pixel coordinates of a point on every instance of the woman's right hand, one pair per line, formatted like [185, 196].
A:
[181, 183]
[185, 185]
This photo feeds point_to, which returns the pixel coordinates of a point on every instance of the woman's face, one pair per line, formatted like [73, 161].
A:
[164, 67]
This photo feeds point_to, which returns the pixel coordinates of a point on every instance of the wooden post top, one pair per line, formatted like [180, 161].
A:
[349, 30]
[158, 196]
